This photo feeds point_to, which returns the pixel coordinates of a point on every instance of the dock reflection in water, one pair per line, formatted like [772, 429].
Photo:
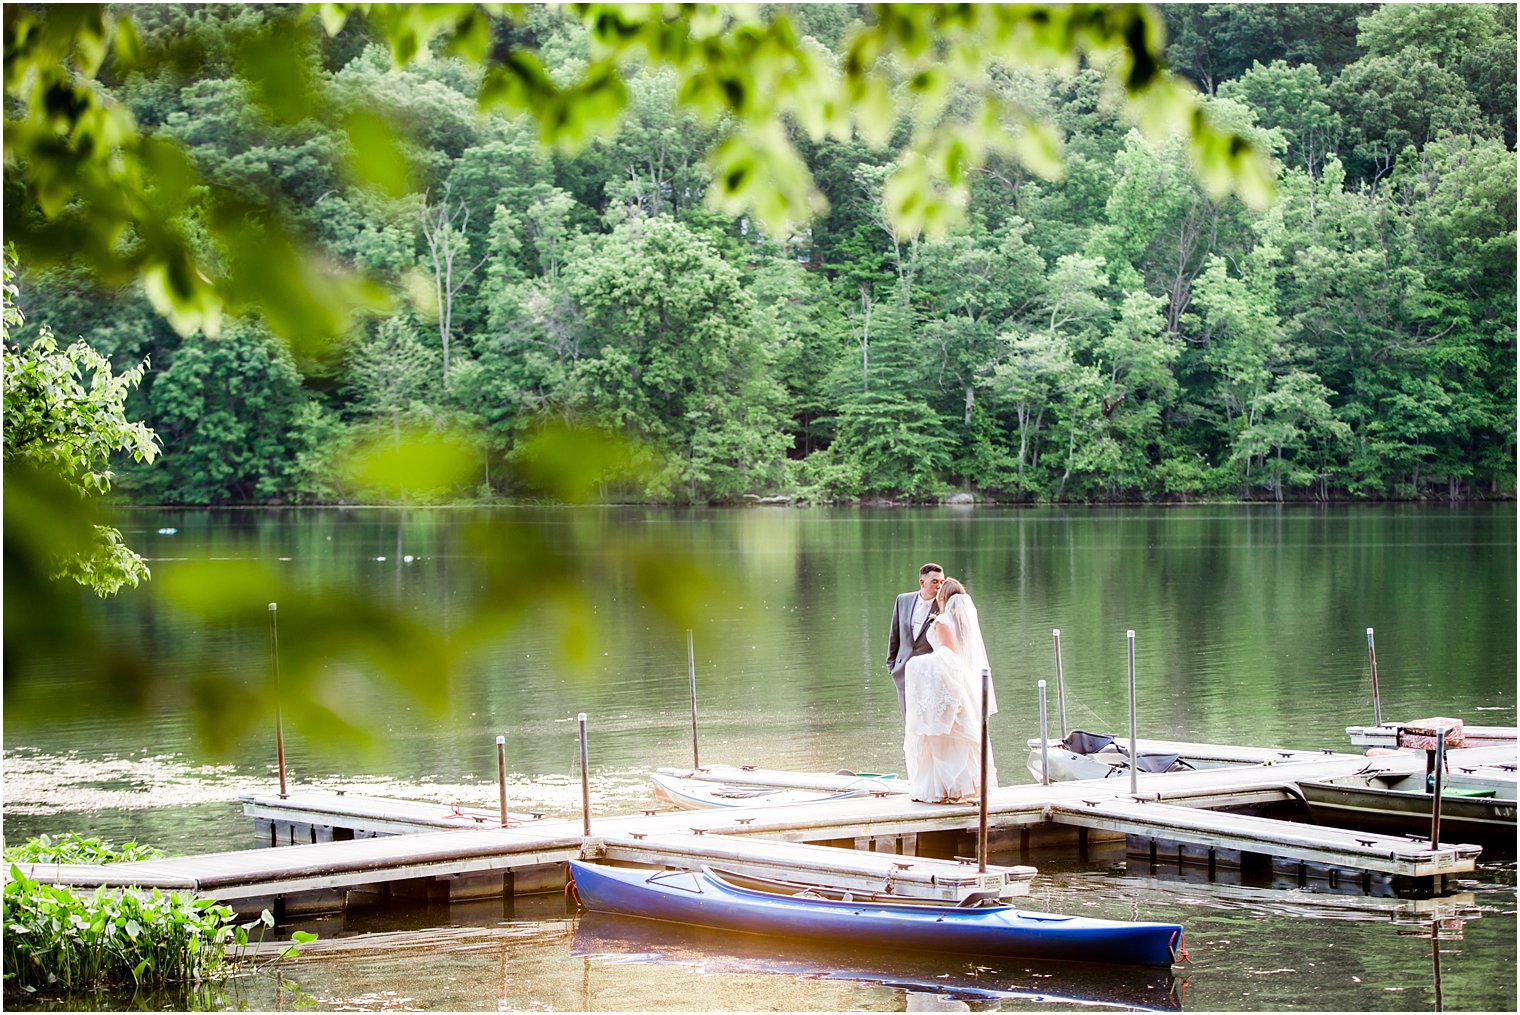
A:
[930, 982]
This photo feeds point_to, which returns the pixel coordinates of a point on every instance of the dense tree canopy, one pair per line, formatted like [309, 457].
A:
[1065, 308]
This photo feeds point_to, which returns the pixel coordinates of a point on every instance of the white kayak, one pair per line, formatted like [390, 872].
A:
[727, 786]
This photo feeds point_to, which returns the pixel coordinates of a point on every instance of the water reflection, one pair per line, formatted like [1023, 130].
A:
[929, 982]
[1249, 629]
[1447, 923]
[1253, 949]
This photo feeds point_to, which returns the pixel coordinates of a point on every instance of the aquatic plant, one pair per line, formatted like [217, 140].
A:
[75, 848]
[58, 938]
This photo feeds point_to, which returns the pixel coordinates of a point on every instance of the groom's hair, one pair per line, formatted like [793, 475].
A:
[930, 567]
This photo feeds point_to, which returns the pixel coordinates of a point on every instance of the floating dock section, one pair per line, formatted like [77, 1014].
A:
[339, 850]
[1390, 735]
[322, 877]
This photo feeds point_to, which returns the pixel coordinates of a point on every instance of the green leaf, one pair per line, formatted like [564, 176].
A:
[517, 81]
[586, 111]
[219, 590]
[759, 173]
[570, 463]
[126, 46]
[376, 159]
[422, 462]
[177, 290]
[334, 15]
[471, 38]
[1039, 147]
[274, 62]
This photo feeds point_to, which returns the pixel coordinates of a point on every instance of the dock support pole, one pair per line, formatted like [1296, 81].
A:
[279, 723]
[1055, 633]
[691, 669]
[1134, 761]
[1435, 793]
[1044, 743]
[501, 776]
[981, 837]
[1377, 701]
[585, 777]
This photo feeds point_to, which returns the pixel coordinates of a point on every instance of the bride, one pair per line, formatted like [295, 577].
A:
[943, 741]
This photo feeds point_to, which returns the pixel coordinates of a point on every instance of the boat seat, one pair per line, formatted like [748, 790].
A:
[1156, 762]
[1080, 742]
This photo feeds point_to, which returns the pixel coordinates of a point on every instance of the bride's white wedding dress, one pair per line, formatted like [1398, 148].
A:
[943, 738]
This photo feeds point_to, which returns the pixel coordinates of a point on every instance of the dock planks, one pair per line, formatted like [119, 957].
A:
[377, 815]
[256, 873]
[1337, 847]
[1173, 806]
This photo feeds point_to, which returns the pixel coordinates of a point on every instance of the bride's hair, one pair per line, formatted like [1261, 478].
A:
[952, 587]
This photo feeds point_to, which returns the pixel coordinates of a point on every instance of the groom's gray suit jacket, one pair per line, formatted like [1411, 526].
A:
[905, 643]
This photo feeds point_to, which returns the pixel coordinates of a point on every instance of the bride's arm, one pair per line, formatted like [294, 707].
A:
[946, 634]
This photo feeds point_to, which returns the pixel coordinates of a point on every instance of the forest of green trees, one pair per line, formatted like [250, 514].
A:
[1116, 334]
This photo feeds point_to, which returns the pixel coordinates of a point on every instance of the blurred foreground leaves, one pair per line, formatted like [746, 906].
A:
[65, 417]
[503, 571]
[338, 630]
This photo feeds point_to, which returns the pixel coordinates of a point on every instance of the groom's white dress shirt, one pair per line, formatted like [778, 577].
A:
[920, 613]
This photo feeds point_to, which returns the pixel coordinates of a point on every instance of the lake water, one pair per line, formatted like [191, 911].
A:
[1250, 628]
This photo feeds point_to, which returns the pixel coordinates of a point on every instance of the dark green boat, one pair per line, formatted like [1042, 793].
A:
[1477, 805]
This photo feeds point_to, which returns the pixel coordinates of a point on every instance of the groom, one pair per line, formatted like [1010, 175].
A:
[910, 626]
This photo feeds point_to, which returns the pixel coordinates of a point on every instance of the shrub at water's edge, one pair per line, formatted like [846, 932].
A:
[59, 939]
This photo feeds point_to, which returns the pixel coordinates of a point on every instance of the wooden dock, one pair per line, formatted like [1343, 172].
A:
[252, 878]
[310, 816]
[481, 862]
[1235, 834]
[1387, 735]
[339, 849]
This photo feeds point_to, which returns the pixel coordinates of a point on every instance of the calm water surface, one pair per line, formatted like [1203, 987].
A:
[1250, 629]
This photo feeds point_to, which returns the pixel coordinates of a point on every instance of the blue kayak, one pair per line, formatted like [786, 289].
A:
[705, 899]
